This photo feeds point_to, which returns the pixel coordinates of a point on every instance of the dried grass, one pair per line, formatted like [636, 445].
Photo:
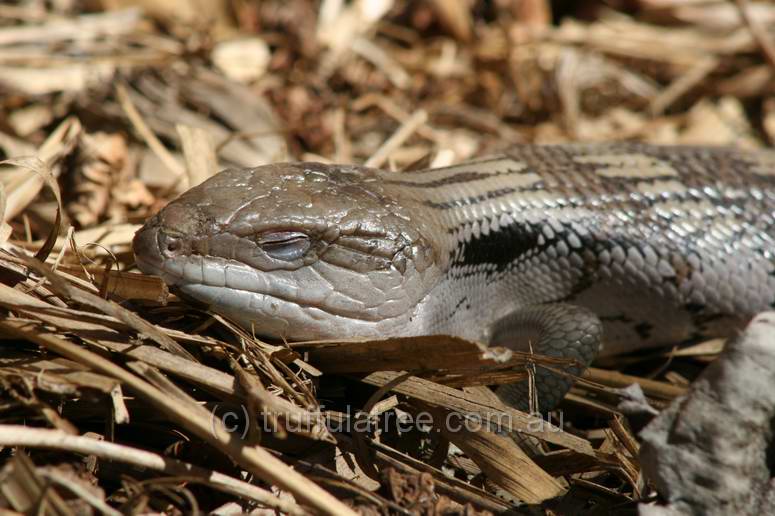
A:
[125, 107]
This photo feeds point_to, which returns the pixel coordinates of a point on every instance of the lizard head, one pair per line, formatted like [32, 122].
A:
[296, 250]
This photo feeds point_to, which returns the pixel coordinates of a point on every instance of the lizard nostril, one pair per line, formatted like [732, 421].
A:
[171, 245]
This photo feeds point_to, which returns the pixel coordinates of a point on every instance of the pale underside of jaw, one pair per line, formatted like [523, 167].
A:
[312, 302]
[273, 317]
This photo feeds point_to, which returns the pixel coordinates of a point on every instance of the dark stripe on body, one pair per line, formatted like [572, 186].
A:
[461, 177]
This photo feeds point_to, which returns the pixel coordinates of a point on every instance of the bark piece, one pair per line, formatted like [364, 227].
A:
[707, 452]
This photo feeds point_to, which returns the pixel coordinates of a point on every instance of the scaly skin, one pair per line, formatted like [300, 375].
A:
[660, 244]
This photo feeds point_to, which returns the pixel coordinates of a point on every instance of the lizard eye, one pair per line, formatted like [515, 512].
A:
[284, 245]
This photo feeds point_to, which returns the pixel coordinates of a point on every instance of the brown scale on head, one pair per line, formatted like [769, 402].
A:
[300, 250]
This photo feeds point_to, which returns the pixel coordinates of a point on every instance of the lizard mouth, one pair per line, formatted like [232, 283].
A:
[148, 257]
[344, 292]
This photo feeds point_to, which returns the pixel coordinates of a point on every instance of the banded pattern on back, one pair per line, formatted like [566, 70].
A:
[664, 243]
[661, 243]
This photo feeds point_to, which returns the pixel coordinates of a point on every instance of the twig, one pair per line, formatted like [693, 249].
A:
[765, 45]
[192, 417]
[79, 491]
[418, 118]
[652, 388]
[145, 132]
[16, 435]
[685, 82]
